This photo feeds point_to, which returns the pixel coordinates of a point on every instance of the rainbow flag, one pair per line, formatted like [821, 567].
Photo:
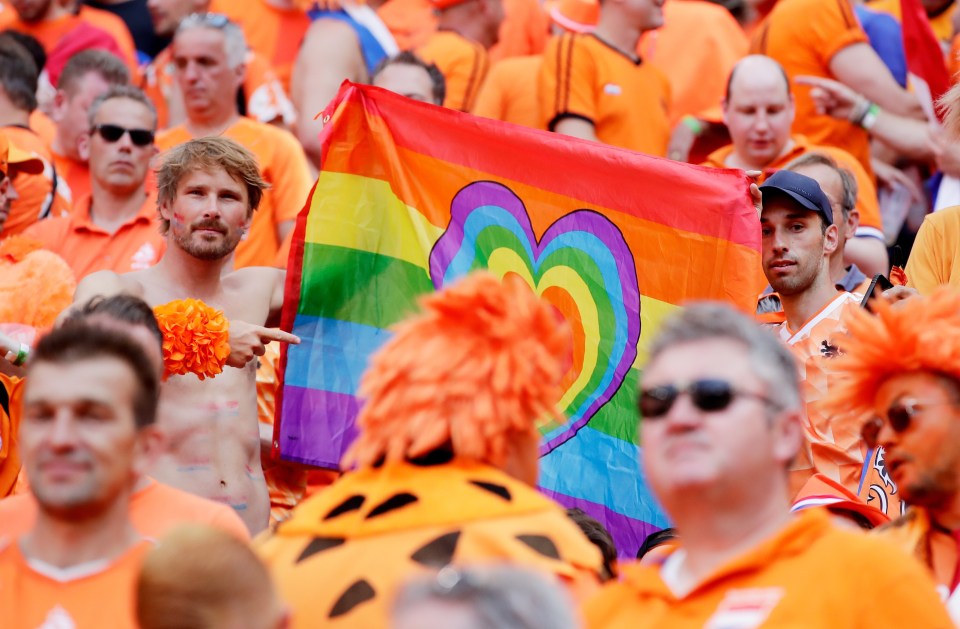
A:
[413, 196]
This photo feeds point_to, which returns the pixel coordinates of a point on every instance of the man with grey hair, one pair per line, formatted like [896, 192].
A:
[492, 597]
[208, 53]
[115, 226]
[721, 416]
[261, 93]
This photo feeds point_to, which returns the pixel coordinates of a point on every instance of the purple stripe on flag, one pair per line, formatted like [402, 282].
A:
[317, 426]
[627, 532]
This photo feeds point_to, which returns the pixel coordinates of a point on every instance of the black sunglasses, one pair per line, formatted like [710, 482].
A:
[708, 395]
[900, 417]
[112, 133]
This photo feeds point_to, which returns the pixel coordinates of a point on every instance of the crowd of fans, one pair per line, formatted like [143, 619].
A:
[154, 156]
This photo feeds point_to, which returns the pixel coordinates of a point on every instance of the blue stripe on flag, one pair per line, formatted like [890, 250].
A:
[332, 354]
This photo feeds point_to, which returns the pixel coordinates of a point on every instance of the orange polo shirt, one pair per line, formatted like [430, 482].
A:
[867, 203]
[804, 35]
[273, 33]
[37, 198]
[155, 510]
[73, 174]
[627, 100]
[113, 25]
[510, 92]
[284, 166]
[95, 594]
[88, 248]
[811, 573]
[266, 100]
[524, 30]
[463, 63]
[696, 48]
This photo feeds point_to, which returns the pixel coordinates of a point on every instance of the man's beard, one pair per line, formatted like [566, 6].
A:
[208, 250]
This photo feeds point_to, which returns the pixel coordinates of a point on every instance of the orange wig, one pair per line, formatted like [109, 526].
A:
[915, 335]
[483, 362]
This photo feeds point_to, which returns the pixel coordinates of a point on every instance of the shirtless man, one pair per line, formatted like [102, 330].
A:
[208, 191]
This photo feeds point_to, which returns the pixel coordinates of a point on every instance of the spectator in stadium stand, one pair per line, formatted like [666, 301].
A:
[408, 75]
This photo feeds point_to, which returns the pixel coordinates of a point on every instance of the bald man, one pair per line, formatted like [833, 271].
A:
[758, 110]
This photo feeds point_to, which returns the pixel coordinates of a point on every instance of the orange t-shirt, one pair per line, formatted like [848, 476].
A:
[524, 30]
[867, 203]
[154, 511]
[811, 573]
[88, 248]
[11, 390]
[933, 260]
[95, 594]
[273, 33]
[696, 48]
[73, 175]
[37, 198]
[266, 99]
[804, 35]
[464, 64]
[284, 166]
[50, 32]
[510, 92]
[411, 22]
[626, 99]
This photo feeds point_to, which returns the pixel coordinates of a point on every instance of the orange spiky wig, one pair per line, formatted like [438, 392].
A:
[481, 363]
[918, 334]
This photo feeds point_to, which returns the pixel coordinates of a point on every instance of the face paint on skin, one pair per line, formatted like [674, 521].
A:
[194, 468]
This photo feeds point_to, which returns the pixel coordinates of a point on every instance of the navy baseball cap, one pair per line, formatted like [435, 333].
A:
[801, 189]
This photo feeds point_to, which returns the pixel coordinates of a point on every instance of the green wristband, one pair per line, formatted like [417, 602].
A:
[693, 124]
[22, 355]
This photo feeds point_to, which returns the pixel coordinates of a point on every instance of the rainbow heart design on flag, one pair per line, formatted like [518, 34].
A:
[581, 264]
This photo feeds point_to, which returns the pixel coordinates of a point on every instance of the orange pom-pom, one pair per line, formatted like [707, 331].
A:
[920, 334]
[195, 338]
[483, 363]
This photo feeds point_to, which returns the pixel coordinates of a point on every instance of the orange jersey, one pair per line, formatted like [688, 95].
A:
[266, 100]
[933, 260]
[155, 510]
[11, 390]
[833, 446]
[73, 175]
[510, 92]
[96, 594]
[804, 35]
[464, 65]
[524, 30]
[867, 203]
[114, 26]
[809, 574]
[696, 48]
[284, 166]
[375, 528]
[88, 248]
[37, 197]
[274, 34]
[411, 22]
[626, 99]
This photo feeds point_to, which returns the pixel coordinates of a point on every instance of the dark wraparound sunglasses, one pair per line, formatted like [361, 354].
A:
[707, 395]
[900, 417]
[112, 133]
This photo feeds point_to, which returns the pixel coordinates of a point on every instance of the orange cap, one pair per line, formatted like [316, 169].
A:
[576, 16]
[12, 156]
[822, 491]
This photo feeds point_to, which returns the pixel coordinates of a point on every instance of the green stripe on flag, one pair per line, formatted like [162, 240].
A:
[361, 287]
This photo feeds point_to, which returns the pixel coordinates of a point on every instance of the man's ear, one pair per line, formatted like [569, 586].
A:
[853, 222]
[83, 146]
[831, 240]
[151, 443]
[788, 438]
[58, 106]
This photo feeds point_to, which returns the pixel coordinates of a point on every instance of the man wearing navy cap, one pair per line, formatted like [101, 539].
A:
[798, 236]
